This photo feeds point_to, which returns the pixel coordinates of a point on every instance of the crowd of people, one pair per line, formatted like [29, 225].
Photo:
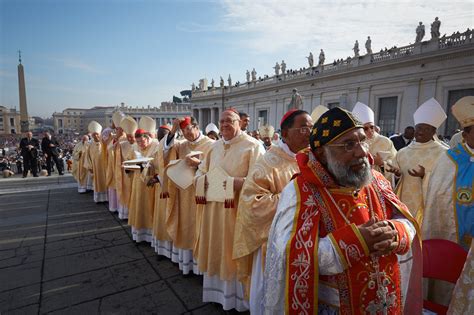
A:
[35, 155]
[327, 217]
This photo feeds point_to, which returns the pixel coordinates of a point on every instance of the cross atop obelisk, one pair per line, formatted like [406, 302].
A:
[24, 123]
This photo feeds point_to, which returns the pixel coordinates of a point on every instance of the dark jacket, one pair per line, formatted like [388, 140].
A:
[399, 142]
[25, 152]
[45, 146]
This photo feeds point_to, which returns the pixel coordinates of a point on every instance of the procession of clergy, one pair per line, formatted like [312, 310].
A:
[312, 224]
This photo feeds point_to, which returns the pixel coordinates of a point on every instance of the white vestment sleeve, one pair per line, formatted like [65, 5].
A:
[275, 263]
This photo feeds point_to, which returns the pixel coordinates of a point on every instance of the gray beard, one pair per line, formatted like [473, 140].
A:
[344, 175]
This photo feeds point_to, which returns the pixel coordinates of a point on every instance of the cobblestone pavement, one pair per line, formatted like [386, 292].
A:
[61, 253]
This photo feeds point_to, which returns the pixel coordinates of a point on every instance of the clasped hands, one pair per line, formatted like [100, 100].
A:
[380, 237]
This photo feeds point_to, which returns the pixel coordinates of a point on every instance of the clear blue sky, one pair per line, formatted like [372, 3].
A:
[94, 52]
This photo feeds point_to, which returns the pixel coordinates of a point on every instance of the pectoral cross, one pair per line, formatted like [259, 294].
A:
[383, 301]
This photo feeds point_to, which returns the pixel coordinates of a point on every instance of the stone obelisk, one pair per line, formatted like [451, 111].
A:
[24, 123]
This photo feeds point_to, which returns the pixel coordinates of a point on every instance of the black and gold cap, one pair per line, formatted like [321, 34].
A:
[331, 125]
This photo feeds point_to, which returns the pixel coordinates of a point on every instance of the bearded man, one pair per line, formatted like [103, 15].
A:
[339, 232]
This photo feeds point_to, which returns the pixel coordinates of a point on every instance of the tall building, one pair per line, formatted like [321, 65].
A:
[393, 82]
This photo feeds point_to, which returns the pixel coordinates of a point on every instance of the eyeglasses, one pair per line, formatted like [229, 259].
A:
[303, 130]
[227, 121]
[350, 146]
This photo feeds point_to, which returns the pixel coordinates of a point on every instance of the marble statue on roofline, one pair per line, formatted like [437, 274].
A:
[356, 49]
[212, 84]
[420, 32]
[435, 28]
[368, 45]
[322, 58]
[193, 87]
[296, 100]
[254, 75]
[248, 76]
[310, 60]
[283, 67]
[221, 82]
[277, 69]
[229, 80]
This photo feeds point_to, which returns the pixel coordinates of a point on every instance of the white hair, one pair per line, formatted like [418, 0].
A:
[344, 175]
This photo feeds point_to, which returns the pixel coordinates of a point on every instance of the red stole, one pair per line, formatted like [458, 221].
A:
[367, 285]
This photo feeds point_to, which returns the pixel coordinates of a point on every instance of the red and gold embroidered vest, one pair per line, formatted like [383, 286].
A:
[368, 285]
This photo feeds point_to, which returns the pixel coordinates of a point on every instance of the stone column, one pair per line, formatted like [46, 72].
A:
[213, 118]
[200, 115]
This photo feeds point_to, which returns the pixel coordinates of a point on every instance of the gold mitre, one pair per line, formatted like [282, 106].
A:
[266, 131]
[148, 124]
[317, 112]
[94, 127]
[129, 125]
[463, 111]
[117, 118]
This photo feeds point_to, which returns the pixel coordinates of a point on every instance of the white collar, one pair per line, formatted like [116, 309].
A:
[198, 138]
[228, 141]
[286, 148]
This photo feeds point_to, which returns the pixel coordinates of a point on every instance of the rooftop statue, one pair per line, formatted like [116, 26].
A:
[254, 75]
[420, 32]
[435, 28]
[356, 49]
[248, 76]
[322, 57]
[277, 69]
[283, 67]
[368, 46]
[310, 60]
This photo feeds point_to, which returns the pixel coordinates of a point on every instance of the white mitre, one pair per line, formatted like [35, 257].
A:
[364, 113]
[94, 127]
[267, 131]
[463, 111]
[430, 113]
[129, 125]
[212, 127]
[317, 112]
[148, 124]
[117, 118]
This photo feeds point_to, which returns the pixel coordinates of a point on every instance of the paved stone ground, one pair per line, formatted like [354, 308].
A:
[61, 253]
